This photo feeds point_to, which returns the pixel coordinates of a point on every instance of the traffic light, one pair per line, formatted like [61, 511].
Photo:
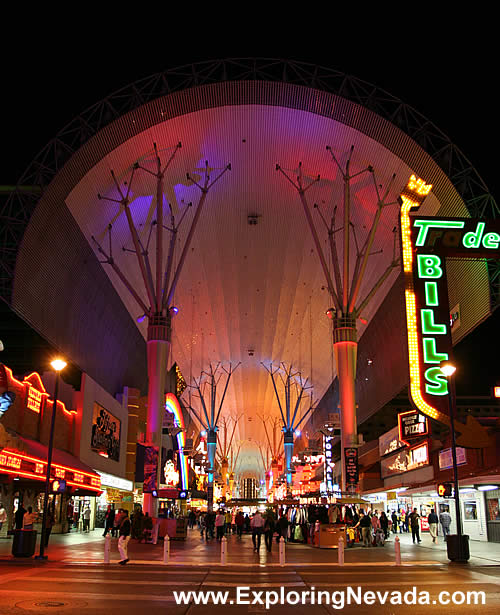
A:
[445, 490]
[58, 486]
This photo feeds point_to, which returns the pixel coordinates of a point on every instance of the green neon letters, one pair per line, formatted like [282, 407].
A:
[430, 353]
[424, 225]
[429, 327]
[431, 294]
[431, 230]
[436, 382]
[429, 266]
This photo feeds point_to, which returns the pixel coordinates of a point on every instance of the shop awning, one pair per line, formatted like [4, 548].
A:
[31, 463]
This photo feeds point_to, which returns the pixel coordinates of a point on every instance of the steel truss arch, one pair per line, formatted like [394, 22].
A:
[16, 207]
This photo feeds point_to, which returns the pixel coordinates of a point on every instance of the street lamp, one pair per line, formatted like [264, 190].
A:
[448, 369]
[57, 366]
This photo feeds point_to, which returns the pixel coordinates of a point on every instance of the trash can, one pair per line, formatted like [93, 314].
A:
[24, 543]
[457, 547]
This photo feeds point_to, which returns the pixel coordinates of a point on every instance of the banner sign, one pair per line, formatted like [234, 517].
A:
[426, 242]
[105, 438]
[412, 425]
[351, 466]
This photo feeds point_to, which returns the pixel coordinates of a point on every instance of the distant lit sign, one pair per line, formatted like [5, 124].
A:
[496, 392]
[412, 425]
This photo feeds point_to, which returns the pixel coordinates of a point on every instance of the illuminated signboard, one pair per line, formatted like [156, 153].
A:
[390, 442]
[412, 425]
[425, 244]
[329, 463]
[351, 466]
[12, 462]
[446, 459]
[406, 460]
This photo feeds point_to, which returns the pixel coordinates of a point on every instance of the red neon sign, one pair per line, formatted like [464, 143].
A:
[12, 462]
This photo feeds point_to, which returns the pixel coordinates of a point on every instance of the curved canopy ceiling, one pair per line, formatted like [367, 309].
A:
[249, 293]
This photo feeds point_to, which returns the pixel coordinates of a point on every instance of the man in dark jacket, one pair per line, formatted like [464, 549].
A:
[124, 538]
[269, 526]
[415, 525]
[394, 518]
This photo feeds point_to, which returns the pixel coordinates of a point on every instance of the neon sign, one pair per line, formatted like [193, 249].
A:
[329, 463]
[19, 464]
[425, 244]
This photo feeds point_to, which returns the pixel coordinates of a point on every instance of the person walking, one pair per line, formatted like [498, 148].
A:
[445, 520]
[86, 519]
[116, 523]
[406, 521]
[384, 524]
[257, 524]
[210, 525]
[365, 525]
[108, 520]
[3, 516]
[414, 519]
[269, 527]
[240, 521]
[124, 538]
[433, 525]
[220, 521]
[394, 518]
[202, 524]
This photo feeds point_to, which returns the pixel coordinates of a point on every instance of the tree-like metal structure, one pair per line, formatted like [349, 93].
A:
[274, 449]
[225, 438]
[294, 387]
[233, 461]
[210, 412]
[344, 289]
[159, 287]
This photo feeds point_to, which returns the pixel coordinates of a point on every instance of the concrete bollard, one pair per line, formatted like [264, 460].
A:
[397, 549]
[166, 549]
[107, 548]
[341, 551]
[282, 551]
[223, 554]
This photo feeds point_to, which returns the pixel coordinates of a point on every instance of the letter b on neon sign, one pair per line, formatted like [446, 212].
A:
[429, 266]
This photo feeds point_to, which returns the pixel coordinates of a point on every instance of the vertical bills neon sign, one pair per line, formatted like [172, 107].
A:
[425, 244]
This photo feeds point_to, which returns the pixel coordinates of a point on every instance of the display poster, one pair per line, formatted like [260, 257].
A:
[106, 429]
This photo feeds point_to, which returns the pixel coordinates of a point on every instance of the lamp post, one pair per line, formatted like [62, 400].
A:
[448, 369]
[57, 365]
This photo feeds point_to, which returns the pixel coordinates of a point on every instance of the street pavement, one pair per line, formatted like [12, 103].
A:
[74, 579]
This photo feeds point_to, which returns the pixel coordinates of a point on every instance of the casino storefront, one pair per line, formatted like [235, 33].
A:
[25, 417]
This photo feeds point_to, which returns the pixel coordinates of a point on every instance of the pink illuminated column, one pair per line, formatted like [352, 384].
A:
[158, 352]
[346, 349]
